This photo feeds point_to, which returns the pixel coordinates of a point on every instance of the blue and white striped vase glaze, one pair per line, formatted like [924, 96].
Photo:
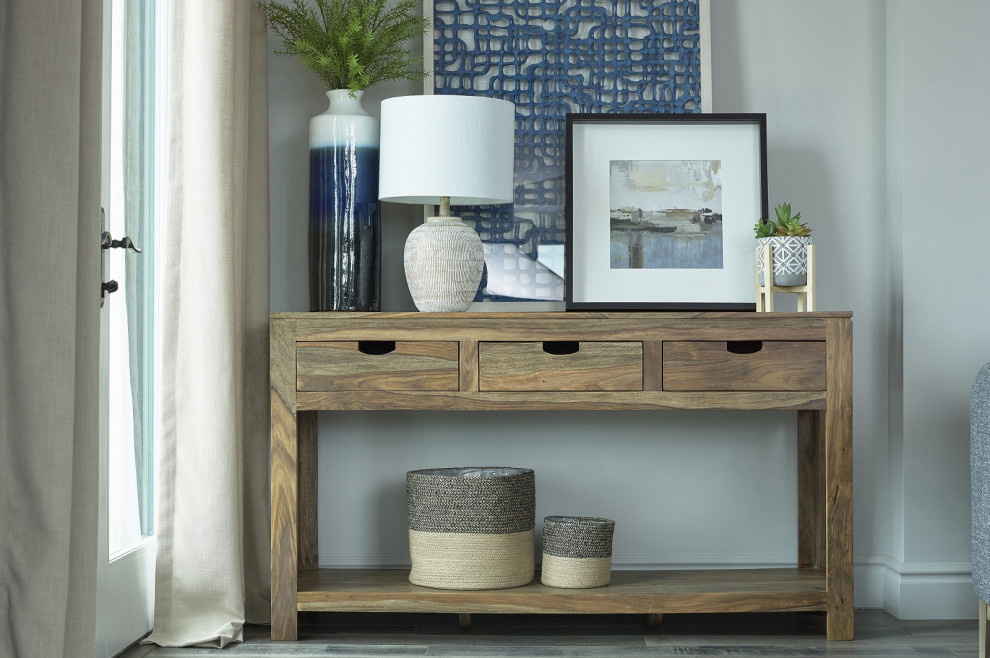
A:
[344, 232]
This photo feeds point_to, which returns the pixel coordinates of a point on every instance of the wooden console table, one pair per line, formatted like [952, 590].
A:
[608, 361]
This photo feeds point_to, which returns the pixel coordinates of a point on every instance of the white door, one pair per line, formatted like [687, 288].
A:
[127, 419]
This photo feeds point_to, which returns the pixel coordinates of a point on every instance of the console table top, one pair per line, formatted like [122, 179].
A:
[558, 315]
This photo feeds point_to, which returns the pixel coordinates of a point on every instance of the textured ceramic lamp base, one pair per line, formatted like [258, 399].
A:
[444, 260]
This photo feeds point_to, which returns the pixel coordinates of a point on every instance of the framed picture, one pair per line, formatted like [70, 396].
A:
[660, 210]
[550, 58]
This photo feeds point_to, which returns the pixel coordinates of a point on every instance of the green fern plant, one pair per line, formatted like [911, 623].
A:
[350, 44]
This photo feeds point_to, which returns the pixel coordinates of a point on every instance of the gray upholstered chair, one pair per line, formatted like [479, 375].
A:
[979, 455]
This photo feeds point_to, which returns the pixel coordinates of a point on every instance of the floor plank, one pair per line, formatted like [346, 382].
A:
[782, 635]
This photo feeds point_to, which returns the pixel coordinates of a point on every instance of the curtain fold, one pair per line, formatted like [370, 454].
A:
[50, 108]
[213, 540]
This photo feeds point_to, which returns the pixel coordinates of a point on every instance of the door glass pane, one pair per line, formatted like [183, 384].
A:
[130, 214]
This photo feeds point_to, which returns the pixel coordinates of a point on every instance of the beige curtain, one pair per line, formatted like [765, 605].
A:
[49, 325]
[213, 547]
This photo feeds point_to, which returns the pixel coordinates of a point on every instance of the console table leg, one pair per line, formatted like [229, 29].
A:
[309, 545]
[838, 480]
[284, 513]
[811, 485]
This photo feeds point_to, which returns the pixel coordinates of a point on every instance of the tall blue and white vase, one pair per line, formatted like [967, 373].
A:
[344, 232]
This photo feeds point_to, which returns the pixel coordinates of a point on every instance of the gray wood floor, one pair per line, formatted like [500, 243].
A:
[779, 635]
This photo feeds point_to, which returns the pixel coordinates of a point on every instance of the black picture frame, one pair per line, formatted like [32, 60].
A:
[631, 256]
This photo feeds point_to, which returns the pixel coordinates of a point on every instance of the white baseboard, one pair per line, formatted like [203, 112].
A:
[868, 581]
[913, 590]
[928, 590]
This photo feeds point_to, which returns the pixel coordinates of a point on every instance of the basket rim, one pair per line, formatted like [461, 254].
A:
[581, 521]
[487, 472]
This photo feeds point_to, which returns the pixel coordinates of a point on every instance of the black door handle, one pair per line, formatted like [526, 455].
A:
[107, 242]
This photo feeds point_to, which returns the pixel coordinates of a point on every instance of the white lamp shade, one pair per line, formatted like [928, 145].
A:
[446, 146]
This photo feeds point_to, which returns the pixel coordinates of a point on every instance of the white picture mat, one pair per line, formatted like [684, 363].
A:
[596, 144]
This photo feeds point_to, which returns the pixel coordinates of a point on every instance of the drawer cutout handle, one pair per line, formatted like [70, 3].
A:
[744, 346]
[561, 347]
[376, 347]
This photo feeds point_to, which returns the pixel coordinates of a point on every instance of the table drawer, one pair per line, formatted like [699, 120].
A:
[560, 366]
[377, 366]
[744, 366]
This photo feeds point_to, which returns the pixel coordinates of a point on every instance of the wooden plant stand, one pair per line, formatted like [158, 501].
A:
[764, 293]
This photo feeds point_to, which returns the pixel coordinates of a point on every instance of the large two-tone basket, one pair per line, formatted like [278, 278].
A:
[577, 551]
[472, 527]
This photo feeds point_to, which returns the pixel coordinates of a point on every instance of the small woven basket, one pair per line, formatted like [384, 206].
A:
[577, 551]
[471, 527]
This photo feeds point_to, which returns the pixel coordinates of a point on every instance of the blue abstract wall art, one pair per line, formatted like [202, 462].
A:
[551, 57]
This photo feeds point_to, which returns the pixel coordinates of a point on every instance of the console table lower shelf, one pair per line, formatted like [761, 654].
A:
[630, 592]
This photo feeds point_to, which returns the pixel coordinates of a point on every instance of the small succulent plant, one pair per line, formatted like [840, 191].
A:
[786, 224]
[764, 228]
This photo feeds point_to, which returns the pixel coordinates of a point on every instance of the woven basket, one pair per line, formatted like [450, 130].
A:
[472, 527]
[577, 551]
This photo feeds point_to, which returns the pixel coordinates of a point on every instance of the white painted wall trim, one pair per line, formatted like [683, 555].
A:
[619, 562]
[927, 590]
[868, 580]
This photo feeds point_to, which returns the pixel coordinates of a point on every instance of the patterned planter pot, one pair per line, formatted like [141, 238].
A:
[790, 259]
[471, 527]
[577, 551]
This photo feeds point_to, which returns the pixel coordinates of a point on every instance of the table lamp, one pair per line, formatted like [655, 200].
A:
[445, 151]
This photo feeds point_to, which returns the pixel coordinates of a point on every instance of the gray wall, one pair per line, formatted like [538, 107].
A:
[938, 93]
[719, 488]
[817, 70]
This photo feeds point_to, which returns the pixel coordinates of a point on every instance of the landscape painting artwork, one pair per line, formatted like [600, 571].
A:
[665, 214]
